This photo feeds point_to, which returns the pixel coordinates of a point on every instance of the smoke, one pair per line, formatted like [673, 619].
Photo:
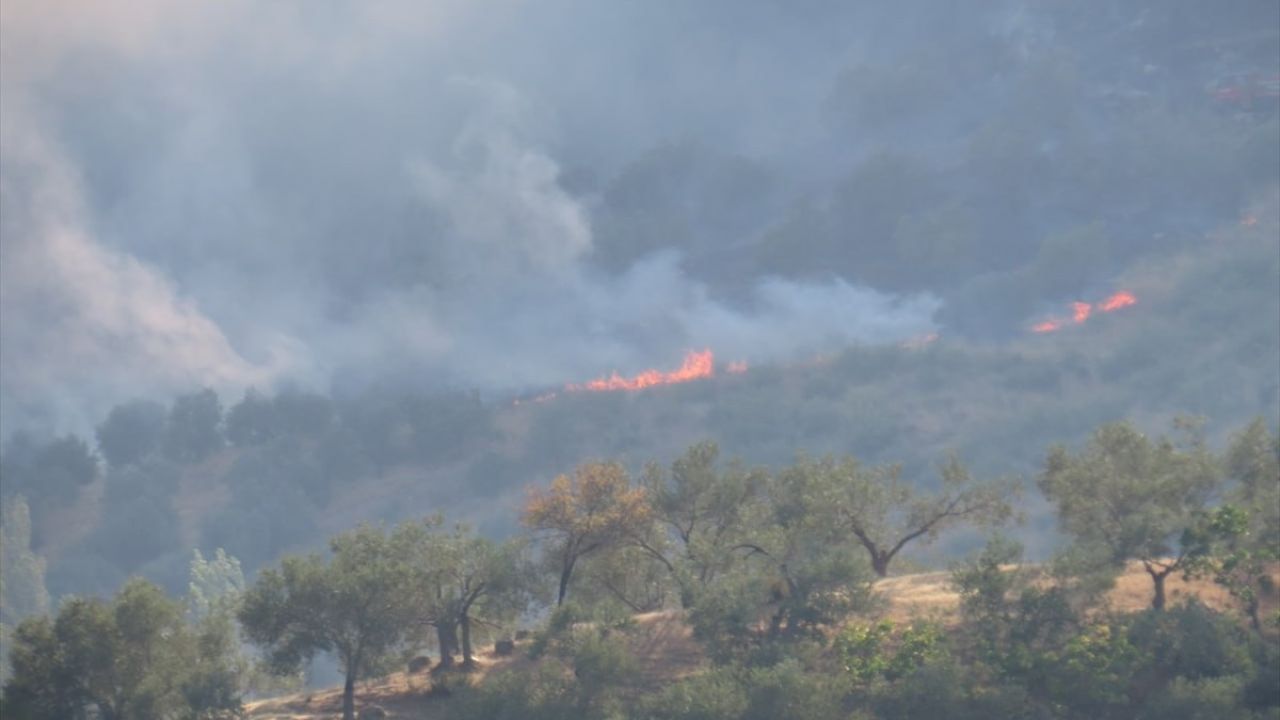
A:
[245, 195]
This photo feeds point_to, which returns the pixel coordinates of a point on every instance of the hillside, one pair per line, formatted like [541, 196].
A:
[663, 645]
[1199, 340]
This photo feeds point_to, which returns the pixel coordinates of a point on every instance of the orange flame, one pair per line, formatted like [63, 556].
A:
[1121, 299]
[737, 367]
[1080, 311]
[1047, 326]
[696, 366]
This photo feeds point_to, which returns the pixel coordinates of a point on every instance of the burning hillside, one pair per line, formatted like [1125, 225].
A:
[1082, 311]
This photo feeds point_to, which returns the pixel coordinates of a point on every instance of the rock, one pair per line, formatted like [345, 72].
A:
[419, 664]
[504, 647]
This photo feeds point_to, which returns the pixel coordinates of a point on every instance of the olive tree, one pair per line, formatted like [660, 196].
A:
[354, 606]
[1126, 497]
[884, 513]
[595, 509]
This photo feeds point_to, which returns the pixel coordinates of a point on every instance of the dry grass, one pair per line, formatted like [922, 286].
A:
[931, 594]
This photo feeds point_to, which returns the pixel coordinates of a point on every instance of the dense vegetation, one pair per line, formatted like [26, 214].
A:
[772, 570]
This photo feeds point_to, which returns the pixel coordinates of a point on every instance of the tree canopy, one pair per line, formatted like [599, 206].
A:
[1126, 497]
[353, 606]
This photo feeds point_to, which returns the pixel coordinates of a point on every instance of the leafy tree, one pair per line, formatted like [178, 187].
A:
[131, 432]
[595, 509]
[22, 588]
[884, 513]
[47, 473]
[354, 606]
[22, 591]
[715, 694]
[627, 576]
[1226, 550]
[194, 430]
[816, 576]
[796, 571]
[702, 510]
[1242, 539]
[216, 585]
[1124, 497]
[870, 652]
[459, 578]
[1010, 621]
[130, 659]
[1253, 464]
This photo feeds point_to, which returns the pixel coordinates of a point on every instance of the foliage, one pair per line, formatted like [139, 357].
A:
[594, 509]
[884, 514]
[22, 591]
[133, 658]
[131, 432]
[460, 580]
[354, 606]
[22, 587]
[1124, 497]
[702, 510]
[716, 694]
[1240, 542]
[47, 473]
[793, 574]
[216, 585]
[873, 651]
[545, 692]
[194, 427]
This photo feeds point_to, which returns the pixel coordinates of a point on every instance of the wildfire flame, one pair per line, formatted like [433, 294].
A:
[1121, 299]
[696, 366]
[1047, 326]
[1081, 311]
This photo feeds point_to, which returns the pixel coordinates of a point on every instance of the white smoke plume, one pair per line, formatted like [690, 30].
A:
[242, 195]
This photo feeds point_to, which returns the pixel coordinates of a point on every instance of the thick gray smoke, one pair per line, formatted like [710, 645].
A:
[236, 194]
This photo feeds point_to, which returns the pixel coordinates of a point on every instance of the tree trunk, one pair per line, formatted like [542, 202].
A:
[1252, 608]
[447, 639]
[467, 660]
[880, 563]
[566, 572]
[1157, 580]
[349, 695]
[775, 622]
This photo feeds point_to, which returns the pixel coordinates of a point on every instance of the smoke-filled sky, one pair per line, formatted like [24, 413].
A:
[239, 193]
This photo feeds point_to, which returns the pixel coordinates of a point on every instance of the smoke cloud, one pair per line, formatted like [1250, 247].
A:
[242, 195]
